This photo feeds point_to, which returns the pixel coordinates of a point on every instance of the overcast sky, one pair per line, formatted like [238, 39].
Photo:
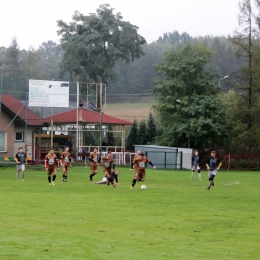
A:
[34, 22]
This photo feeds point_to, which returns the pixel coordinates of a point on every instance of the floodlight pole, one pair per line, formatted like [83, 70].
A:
[221, 79]
[100, 134]
[77, 132]
[26, 117]
[52, 127]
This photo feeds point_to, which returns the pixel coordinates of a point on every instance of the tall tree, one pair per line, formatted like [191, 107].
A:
[12, 62]
[110, 137]
[198, 116]
[151, 129]
[2, 58]
[246, 79]
[89, 139]
[142, 133]
[92, 44]
[51, 57]
[132, 137]
[31, 65]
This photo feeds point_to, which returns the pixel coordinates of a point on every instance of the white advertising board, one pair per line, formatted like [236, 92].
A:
[46, 93]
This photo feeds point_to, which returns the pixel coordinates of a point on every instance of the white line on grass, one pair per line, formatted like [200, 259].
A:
[233, 183]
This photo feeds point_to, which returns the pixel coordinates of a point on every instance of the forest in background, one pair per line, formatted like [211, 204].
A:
[131, 78]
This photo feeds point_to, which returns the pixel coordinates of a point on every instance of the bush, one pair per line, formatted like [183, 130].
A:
[233, 164]
[245, 164]
[257, 165]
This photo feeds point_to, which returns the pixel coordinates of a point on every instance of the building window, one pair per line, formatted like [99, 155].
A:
[2, 142]
[18, 136]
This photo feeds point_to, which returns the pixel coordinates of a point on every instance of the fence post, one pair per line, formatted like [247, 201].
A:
[164, 160]
[181, 162]
[228, 161]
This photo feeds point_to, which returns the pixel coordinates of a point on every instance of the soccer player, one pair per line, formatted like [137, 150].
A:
[105, 179]
[51, 164]
[115, 176]
[132, 164]
[94, 162]
[213, 165]
[20, 159]
[139, 166]
[195, 165]
[109, 167]
[65, 161]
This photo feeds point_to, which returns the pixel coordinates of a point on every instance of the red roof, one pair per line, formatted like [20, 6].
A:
[86, 116]
[25, 114]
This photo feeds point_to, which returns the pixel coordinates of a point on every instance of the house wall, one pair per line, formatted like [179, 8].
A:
[4, 122]
[27, 139]
[11, 144]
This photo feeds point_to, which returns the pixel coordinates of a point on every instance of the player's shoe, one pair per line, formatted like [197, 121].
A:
[200, 179]
[52, 183]
[22, 179]
[212, 184]
[208, 188]
[65, 180]
[131, 187]
[49, 183]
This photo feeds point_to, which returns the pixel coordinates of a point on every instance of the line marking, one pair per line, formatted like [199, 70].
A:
[236, 182]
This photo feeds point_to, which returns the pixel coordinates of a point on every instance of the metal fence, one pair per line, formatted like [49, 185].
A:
[165, 160]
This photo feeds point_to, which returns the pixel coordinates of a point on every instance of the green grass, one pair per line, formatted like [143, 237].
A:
[173, 219]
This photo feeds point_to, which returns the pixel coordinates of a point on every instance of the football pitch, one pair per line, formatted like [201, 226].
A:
[174, 218]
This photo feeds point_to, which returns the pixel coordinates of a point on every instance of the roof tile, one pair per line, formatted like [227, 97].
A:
[26, 114]
[85, 115]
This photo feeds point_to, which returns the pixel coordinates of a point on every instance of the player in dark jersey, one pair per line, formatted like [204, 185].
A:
[21, 160]
[51, 165]
[195, 165]
[65, 161]
[105, 179]
[213, 165]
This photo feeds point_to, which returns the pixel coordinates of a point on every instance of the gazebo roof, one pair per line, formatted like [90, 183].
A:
[84, 116]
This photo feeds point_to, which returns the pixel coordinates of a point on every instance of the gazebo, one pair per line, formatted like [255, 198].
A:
[76, 122]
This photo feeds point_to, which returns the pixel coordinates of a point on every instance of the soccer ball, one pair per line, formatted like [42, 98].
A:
[143, 187]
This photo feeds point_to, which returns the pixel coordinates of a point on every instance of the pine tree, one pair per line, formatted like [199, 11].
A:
[142, 133]
[132, 139]
[89, 139]
[12, 62]
[246, 80]
[110, 137]
[151, 129]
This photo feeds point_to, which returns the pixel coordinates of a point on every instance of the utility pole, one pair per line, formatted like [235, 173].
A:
[100, 110]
